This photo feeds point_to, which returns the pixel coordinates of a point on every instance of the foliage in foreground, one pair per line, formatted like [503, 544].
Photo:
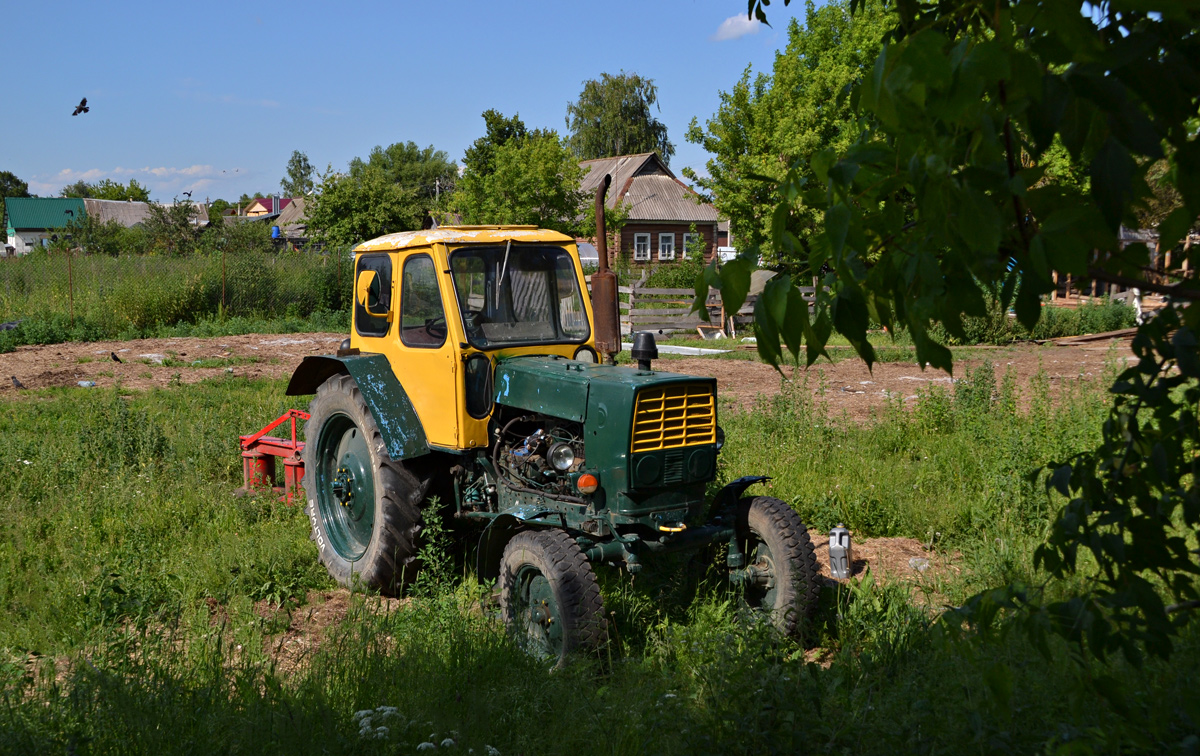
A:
[945, 198]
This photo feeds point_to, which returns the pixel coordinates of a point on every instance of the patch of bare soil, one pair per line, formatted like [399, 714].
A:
[307, 627]
[147, 363]
[890, 559]
[848, 388]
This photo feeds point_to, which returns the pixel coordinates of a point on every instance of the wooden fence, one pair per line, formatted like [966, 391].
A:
[670, 310]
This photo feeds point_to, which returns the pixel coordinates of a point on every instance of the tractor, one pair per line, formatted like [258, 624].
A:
[478, 369]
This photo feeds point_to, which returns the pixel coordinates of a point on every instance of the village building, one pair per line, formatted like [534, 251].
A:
[665, 218]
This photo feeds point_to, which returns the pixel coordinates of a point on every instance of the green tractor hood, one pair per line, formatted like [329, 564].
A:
[603, 398]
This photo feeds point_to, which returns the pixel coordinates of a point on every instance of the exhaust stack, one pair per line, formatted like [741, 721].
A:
[604, 287]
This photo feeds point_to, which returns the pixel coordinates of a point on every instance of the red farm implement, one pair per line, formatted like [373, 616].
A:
[258, 459]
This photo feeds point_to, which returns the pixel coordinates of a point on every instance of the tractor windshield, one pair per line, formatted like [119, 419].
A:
[514, 295]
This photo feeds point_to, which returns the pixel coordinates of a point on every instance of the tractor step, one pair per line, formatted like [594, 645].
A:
[258, 459]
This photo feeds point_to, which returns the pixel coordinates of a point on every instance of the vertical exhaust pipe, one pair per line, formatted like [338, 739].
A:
[604, 287]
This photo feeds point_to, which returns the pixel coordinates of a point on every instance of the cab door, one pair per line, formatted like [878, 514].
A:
[426, 365]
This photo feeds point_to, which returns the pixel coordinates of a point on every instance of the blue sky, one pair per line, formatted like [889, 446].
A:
[213, 97]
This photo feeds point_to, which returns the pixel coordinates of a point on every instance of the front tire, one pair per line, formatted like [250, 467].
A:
[784, 580]
[549, 597]
[363, 507]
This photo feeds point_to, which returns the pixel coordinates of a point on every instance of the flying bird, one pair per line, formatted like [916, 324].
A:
[187, 194]
[16, 383]
[115, 358]
[70, 213]
[82, 107]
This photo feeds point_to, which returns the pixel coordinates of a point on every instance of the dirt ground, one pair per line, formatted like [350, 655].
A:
[845, 387]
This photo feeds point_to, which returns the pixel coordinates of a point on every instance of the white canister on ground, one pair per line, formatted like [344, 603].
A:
[841, 559]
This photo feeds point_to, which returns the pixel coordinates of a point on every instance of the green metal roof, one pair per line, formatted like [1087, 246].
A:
[42, 212]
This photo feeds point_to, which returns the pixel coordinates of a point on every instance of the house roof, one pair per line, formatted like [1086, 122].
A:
[293, 217]
[42, 212]
[265, 203]
[647, 185]
[130, 214]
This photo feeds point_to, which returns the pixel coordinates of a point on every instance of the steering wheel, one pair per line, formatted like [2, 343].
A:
[436, 327]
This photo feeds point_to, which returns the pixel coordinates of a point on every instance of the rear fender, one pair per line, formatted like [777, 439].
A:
[389, 404]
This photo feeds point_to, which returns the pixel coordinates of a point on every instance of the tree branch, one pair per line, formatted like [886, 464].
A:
[1183, 606]
[1174, 290]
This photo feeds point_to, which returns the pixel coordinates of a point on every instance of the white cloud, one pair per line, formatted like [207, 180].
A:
[162, 180]
[736, 27]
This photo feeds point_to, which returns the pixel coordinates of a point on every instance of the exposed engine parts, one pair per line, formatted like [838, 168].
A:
[539, 452]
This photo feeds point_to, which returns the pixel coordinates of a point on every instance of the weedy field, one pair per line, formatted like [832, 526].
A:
[150, 610]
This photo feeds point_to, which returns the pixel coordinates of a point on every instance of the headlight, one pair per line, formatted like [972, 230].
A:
[585, 354]
[561, 457]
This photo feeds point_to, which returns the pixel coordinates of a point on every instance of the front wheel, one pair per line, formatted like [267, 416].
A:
[780, 577]
[549, 597]
[363, 506]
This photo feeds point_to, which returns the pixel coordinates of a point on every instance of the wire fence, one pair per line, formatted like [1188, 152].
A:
[117, 294]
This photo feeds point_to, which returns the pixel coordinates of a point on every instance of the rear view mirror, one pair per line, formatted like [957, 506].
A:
[366, 286]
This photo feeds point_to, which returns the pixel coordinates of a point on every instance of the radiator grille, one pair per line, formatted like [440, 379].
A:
[668, 417]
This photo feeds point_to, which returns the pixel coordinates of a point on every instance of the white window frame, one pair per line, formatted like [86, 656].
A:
[687, 241]
[641, 247]
[666, 236]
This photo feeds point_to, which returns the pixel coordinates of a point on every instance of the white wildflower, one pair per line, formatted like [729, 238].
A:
[492, 751]
[361, 715]
[381, 733]
[427, 746]
[448, 743]
[387, 711]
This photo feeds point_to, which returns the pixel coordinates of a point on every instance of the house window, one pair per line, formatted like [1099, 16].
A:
[690, 241]
[641, 247]
[666, 246]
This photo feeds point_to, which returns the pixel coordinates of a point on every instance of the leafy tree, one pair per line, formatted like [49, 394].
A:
[479, 157]
[11, 186]
[941, 199]
[109, 238]
[350, 208]
[107, 189]
[612, 117]
[299, 179]
[429, 173]
[217, 208]
[171, 229]
[765, 124]
[533, 180]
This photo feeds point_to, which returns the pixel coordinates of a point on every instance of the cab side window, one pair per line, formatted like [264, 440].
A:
[379, 298]
[422, 319]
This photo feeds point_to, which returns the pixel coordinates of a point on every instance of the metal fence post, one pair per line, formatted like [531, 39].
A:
[222, 283]
[70, 286]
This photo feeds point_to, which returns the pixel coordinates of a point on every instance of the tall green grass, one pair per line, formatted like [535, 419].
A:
[138, 296]
[135, 585]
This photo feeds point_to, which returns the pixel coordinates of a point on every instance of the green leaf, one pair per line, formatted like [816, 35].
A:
[734, 282]
[999, 680]
[1173, 227]
[795, 325]
[837, 225]
[775, 297]
[1112, 179]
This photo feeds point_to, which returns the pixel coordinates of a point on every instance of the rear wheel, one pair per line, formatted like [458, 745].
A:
[549, 597]
[363, 507]
[780, 578]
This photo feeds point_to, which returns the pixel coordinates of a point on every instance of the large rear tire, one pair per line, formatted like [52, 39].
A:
[549, 597]
[786, 581]
[364, 507]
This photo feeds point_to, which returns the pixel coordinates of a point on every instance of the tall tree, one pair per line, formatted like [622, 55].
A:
[479, 157]
[427, 172]
[11, 186]
[299, 179]
[766, 123]
[612, 117]
[107, 189]
[941, 201]
[532, 179]
[351, 208]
